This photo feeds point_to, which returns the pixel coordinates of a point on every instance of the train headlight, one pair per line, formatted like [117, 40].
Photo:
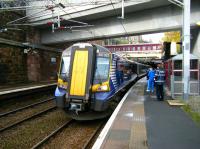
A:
[62, 84]
[101, 87]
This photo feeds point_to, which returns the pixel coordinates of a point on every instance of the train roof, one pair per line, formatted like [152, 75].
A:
[101, 47]
[83, 45]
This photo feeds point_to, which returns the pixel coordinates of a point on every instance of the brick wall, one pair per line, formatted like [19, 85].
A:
[13, 66]
[17, 35]
[19, 67]
[40, 67]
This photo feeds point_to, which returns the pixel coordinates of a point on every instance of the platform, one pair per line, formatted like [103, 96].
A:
[24, 87]
[142, 122]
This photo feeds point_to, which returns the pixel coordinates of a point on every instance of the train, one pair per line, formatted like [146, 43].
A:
[90, 80]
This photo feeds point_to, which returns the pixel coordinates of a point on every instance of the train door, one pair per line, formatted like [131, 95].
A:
[81, 73]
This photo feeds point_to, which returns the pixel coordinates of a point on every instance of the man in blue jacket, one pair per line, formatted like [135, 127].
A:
[160, 80]
[150, 82]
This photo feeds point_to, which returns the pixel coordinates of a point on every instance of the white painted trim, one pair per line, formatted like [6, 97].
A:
[25, 89]
[104, 132]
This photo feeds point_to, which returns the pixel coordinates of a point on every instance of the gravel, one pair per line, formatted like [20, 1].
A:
[29, 133]
[74, 136]
[20, 102]
[11, 118]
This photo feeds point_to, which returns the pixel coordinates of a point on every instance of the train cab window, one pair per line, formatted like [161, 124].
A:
[102, 69]
[101, 73]
[64, 71]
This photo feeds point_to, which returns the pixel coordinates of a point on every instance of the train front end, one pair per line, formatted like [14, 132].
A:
[83, 81]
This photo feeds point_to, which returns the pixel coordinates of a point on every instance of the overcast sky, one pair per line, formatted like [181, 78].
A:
[155, 38]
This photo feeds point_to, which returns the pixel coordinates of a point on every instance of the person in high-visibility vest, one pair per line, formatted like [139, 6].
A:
[160, 80]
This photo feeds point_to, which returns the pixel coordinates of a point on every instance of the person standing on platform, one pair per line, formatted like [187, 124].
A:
[120, 74]
[150, 82]
[160, 80]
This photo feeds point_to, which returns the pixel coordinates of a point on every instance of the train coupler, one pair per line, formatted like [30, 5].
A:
[77, 107]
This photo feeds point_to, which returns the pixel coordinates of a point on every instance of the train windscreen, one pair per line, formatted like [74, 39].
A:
[102, 69]
[64, 71]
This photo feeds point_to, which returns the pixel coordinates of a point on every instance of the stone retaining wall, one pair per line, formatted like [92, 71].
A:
[19, 67]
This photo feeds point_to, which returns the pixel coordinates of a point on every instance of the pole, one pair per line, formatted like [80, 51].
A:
[122, 9]
[186, 49]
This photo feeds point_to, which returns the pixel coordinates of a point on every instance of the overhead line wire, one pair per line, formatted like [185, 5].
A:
[121, 19]
[70, 20]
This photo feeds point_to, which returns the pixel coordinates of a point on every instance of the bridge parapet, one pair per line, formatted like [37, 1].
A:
[145, 50]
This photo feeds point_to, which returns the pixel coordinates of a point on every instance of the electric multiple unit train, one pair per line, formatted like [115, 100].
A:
[90, 79]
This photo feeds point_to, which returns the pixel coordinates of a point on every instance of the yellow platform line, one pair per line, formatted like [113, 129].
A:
[175, 103]
[138, 138]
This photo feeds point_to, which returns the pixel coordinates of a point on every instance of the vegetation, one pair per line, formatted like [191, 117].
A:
[173, 37]
[194, 115]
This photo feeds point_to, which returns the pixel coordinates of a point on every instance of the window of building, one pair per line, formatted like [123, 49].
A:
[193, 75]
[178, 65]
[177, 75]
[193, 64]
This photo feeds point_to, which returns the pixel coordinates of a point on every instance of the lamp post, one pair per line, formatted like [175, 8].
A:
[186, 44]
[186, 48]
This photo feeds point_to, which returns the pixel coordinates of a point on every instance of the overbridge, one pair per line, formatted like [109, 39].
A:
[141, 17]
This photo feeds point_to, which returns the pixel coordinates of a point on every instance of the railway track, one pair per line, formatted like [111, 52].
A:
[26, 107]
[92, 138]
[88, 141]
[53, 133]
[27, 118]
[30, 132]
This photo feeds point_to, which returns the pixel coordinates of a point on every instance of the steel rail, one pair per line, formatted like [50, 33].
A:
[86, 145]
[25, 107]
[28, 118]
[52, 134]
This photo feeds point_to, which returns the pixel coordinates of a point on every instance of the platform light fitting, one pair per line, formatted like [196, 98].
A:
[3, 30]
[198, 23]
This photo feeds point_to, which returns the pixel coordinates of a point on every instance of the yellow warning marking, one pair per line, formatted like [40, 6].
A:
[79, 73]
[175, 103]
[138, 138]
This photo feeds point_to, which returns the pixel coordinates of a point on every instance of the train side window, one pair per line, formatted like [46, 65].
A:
[64, 71]
[134, 68]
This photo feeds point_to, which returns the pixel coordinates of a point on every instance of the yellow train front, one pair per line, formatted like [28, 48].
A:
[89, 80]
